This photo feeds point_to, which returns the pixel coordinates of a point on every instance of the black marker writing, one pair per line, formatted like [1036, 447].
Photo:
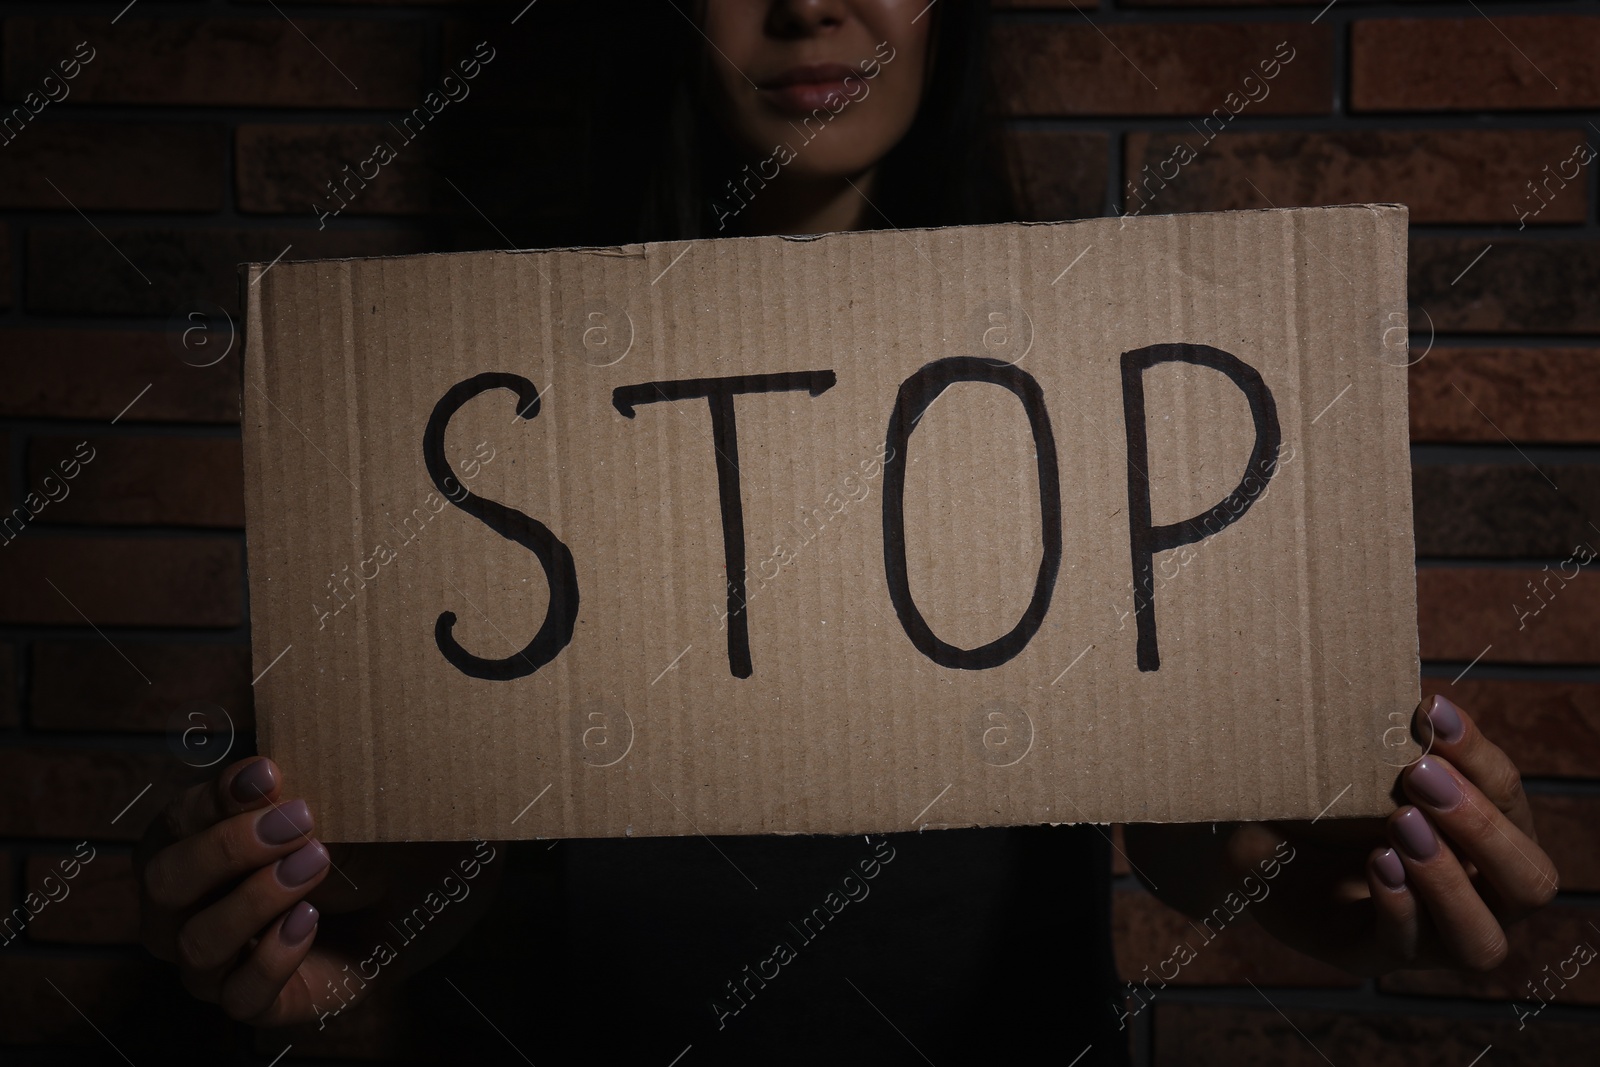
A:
[719, 392]
[916, 394]
[561, 615]
[1144, 539]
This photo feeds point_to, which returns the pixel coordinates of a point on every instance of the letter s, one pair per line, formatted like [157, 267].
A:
[562, 613]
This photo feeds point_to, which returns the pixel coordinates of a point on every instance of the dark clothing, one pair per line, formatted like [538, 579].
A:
[950, 946]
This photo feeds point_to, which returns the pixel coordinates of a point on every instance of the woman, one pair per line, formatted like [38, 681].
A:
[808, 116]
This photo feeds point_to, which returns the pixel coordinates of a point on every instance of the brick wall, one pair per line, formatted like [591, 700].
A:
[197, 134]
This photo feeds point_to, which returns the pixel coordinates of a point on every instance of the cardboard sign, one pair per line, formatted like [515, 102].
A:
[1092, 521]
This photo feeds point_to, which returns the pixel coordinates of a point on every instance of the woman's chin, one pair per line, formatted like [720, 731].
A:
[829, 169]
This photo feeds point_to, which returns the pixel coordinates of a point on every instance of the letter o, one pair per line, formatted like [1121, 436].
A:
[916, 394]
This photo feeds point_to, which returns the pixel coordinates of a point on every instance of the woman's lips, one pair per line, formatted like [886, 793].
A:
[803, 90]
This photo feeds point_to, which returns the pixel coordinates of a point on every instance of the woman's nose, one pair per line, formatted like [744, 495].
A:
[794, 18]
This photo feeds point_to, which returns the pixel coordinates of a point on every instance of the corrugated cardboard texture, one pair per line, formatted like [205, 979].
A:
[1287, 642]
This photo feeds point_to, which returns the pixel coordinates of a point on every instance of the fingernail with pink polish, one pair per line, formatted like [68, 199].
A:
[1435, 784]
[1413, 834]
[254, 782]
[298, 926]
[284, 823]
[302, 865]
[1390, 870]
[1446, 720]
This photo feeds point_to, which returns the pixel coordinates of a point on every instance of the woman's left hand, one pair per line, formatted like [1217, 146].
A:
[1434, 885]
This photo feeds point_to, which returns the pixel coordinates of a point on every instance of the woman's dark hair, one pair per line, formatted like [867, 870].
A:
[590, 128]
[948, 170]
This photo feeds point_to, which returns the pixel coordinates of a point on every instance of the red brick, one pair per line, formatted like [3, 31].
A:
[1566, 828]
[76, 793]
[72, 269]
[1441, 175]
[244, 62]
[8, 686]
[6, 282]
[1542, 287]
[1505, 510]
[97, 374]
[1535, 395]
[124, 166]
[1223, 3]
[122, 581]
[1147, 932]
[87, 685]
[1059, 175]
[286, 169]
[384, 1029]
[1509, 62]
[1460, 612]
[1069, 68]
[379, 3]
[1544, 939]
[101, 902]
[1260, 1035]
[90, 1000]
[44, 997]
[1549, 729]
[169, 481]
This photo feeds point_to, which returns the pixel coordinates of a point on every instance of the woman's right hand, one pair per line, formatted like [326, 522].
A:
[223, 874]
